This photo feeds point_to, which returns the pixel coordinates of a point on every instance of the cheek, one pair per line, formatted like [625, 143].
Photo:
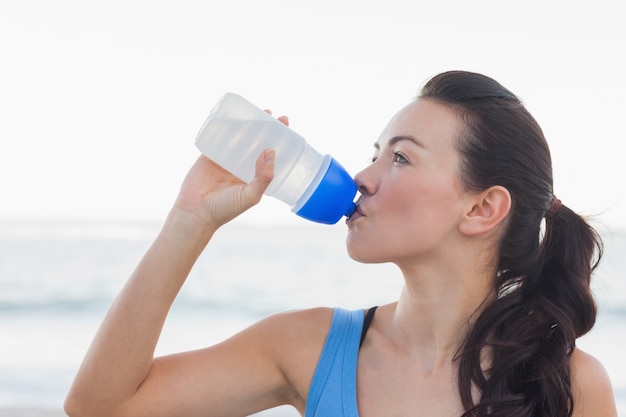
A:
[428, 208]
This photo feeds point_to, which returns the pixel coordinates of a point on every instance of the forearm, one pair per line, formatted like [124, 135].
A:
[121, 354]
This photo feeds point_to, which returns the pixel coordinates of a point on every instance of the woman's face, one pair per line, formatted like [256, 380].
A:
[412, 199]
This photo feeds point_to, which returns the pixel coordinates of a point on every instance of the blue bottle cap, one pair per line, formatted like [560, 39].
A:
[333, 197]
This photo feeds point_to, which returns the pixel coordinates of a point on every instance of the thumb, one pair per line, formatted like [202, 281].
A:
[263, 174]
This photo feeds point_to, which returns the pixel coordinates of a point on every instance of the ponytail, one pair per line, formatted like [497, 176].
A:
[571, 250]
[530, 330]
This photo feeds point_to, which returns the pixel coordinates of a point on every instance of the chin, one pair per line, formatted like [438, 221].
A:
[364, 255]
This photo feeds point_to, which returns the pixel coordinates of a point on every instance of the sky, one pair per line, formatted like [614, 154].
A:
[100, 102]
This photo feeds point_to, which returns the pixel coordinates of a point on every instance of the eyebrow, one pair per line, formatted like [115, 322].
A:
[400, 138]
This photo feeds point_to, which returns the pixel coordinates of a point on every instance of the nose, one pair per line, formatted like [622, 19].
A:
[366, 181]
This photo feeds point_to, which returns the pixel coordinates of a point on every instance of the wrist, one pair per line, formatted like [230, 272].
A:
[189, 224]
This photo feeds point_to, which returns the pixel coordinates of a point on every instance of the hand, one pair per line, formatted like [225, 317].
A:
[215, 196]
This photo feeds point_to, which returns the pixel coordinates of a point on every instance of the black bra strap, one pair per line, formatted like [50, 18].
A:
[369, 316]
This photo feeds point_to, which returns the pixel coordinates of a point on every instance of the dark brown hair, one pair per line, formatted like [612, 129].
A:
[544, 301]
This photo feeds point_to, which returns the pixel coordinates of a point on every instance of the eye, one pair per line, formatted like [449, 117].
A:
[399, 158]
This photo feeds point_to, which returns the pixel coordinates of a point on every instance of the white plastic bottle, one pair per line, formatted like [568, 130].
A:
[315, 186]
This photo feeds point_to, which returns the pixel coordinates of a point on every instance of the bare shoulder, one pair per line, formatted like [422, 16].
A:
[267, 364]
[591, 386]
[282, 335]
[299, 327]
[297, 339]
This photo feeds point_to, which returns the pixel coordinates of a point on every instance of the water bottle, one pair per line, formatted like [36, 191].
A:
[315, 186]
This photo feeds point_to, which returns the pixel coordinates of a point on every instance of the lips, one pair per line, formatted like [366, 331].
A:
[356, 214]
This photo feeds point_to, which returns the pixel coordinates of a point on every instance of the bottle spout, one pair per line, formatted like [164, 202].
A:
[351, 209]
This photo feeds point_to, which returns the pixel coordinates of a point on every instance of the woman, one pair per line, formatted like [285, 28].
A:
[487, 320]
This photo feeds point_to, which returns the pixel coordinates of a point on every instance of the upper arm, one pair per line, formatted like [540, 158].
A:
[591, 387]
[265, 365]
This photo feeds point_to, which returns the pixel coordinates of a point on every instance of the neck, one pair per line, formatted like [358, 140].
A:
[436, 308]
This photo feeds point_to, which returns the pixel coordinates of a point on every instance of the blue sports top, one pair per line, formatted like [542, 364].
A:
[333, 388]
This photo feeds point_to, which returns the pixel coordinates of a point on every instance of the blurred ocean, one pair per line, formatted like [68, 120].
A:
[58, 278]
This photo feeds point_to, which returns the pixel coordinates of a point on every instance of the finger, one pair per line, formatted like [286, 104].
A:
[284, 120]
[263, 175]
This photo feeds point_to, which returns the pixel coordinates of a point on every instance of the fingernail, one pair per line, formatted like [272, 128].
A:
[270, 155]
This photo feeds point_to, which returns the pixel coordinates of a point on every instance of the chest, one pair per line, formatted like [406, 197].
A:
[397, 388]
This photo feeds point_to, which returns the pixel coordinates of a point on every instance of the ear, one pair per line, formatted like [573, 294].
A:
[489, 209]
